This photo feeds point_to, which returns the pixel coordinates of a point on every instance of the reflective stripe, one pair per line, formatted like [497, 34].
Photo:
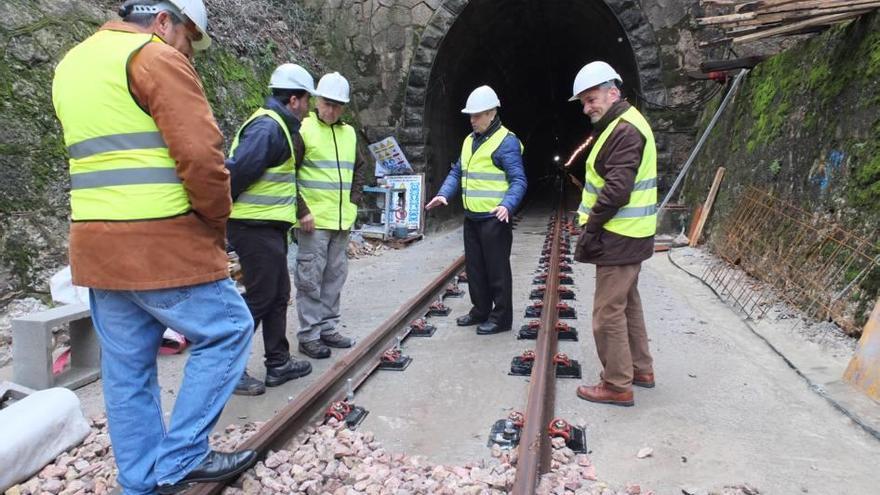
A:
[627, 212]
[591, 188]
[275, 177]
[116, 142]
[256, 199]
[124, 177]
[328, 164]
[636, 211]
[316, 184]
[644, 185]
[485, 194]
[485, 176]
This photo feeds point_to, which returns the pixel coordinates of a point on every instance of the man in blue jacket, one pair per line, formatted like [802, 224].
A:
[262, 163]
[493, 182]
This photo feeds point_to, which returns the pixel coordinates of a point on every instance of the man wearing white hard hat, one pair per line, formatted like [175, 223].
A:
[331, 182]
[618, 215]
[492, 180]
[149, 200]
[262, 162]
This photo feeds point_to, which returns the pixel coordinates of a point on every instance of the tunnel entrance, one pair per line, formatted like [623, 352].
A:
[528, 51]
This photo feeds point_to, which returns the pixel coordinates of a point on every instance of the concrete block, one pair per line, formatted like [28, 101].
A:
[32, 348]
[35, 430]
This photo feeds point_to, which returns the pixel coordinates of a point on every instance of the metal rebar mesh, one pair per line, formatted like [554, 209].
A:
[771, 249]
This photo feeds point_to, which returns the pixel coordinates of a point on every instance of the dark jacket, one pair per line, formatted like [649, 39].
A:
[261, 145]
[508, 157]
[618, 164]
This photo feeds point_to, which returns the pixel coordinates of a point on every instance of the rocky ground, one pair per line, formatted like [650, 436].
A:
[331, 459]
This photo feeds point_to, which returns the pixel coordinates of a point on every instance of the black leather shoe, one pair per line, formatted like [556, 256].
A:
[288, 371]
[248, 385]
[468, 320]
[337, 340]
[489, 328]
[218, 466]
[314, 349]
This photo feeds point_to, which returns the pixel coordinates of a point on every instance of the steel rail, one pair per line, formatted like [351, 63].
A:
[357, 364]
[534, 446]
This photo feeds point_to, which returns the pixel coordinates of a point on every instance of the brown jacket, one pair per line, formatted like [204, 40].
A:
[174, 252]
[618, 164]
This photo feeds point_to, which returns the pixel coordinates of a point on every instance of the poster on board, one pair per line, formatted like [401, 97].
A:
[390, 159]
[409, 205]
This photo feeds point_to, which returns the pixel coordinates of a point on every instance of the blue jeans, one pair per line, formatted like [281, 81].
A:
[215, 319]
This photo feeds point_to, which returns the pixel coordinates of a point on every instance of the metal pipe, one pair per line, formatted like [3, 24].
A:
[702, 141]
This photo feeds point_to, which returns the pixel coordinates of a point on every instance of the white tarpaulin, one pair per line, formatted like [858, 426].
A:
[35, 430]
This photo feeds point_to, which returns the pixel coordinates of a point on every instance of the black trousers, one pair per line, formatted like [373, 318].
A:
[263, 255]
[487, 261]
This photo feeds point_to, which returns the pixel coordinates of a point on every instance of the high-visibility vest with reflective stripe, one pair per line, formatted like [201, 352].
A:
[120, 168]
[273, 195]
[325, 176]
[638, 218]
[483, 185]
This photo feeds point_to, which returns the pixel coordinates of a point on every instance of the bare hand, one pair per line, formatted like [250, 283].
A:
[437, 201]
[501, 213]
[307, 223]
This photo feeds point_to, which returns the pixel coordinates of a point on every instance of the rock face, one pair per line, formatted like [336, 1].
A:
[804, 127]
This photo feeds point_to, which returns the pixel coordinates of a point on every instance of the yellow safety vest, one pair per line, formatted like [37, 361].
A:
[273, 195]
[638, 218]
[483, 185]
[325, 176]
[120, 168]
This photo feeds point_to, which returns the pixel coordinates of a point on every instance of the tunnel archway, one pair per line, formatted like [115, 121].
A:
[529, 52]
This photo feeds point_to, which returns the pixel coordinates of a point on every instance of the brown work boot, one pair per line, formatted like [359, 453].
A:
[600, 394]
[645, 380]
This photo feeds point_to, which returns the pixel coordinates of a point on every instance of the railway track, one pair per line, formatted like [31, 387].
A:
[332, 393]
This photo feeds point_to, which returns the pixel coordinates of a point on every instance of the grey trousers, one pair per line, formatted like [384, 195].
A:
[321, 270]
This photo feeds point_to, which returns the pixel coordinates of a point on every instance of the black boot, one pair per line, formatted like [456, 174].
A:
[286, 372]
[490, 327]
[468, 320]
[249, 385]
[314, 349]
[337, 340]
[218, 466]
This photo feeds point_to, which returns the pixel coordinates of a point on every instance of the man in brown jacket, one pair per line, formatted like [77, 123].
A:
[149, 201]
[618, 215]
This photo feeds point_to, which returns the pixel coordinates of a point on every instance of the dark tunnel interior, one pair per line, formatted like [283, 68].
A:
[529, 52]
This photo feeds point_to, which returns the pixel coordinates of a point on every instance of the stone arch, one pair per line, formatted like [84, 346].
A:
[621, 21]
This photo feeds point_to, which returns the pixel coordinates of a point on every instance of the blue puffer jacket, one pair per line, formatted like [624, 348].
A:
[508, 158]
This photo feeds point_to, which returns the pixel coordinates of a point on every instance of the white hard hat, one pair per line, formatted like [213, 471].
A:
[592, 75]
[481, 99]
[292, 76]
[195, 11]
[334, 87]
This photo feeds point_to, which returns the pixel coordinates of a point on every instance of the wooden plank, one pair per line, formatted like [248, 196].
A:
[707, 207]
[863, 371]
[797, 26]
[758, 18]
[695, 219]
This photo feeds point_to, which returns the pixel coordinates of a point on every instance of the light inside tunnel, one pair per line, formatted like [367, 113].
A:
[528, 51]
